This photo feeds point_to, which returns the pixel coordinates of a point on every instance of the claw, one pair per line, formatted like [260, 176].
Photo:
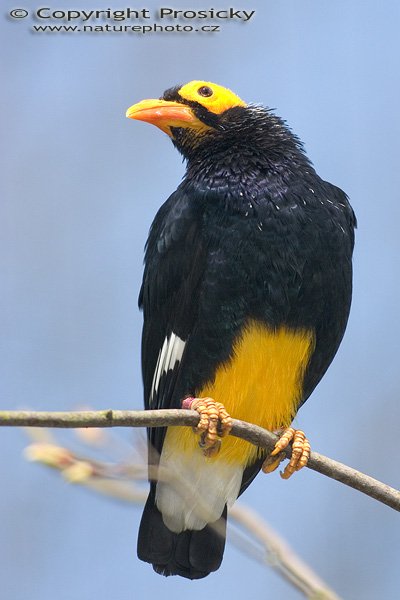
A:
[271, 463]
[300, 453]
[214, 424]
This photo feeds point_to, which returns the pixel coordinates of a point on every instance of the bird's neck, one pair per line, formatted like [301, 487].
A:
[244, 171]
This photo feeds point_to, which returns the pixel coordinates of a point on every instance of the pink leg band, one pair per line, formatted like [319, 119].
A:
[187, 403]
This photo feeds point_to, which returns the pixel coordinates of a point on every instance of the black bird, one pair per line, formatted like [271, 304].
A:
[246, 295]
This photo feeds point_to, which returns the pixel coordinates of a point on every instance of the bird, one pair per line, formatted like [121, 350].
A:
[246, 294]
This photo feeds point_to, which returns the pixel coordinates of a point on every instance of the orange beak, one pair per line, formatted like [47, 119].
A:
[164, 114]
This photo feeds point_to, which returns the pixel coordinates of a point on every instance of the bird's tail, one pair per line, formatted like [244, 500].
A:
[190, 554]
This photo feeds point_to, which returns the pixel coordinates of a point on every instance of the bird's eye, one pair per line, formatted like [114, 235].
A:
[205, 91]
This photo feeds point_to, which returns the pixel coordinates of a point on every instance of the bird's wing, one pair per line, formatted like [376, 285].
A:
[328, 275]
[175, 262]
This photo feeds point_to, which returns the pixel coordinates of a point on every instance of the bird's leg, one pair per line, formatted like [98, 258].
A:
[214, 424]
[300, 453]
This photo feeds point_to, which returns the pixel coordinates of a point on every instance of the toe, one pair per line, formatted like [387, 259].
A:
[284, 441]
[271, 463]
[300, 453]
[215, 423]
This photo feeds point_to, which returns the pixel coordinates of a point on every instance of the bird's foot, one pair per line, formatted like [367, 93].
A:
[215, 423]
[300, 453]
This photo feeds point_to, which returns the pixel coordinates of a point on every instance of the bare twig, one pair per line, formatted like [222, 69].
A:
[248, 531]
[281, 556]
[161, 418]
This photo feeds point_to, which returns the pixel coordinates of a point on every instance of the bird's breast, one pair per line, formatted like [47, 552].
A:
[260, 383]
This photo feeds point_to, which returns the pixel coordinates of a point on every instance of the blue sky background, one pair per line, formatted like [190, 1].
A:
[81, 186]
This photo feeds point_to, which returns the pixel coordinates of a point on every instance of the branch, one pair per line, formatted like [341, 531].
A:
[161, 418]
[247, 530]
[281, 556]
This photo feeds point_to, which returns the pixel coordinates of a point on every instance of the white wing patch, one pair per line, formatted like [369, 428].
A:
[169, 355]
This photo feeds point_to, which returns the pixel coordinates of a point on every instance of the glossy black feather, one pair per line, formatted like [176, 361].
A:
[251, 233]
[190, 554]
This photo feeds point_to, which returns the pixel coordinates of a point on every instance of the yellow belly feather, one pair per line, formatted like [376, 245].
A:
[261, 384]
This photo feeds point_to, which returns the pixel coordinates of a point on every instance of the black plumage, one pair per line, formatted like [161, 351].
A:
[252, 232]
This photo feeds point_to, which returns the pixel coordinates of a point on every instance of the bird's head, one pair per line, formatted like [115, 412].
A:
[192, 114]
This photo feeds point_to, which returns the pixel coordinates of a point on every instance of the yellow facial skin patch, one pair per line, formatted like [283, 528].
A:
[166, 114]
[220, 100]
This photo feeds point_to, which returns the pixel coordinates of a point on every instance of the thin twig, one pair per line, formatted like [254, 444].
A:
[281, 556]
[248, 530]
[161, 418]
